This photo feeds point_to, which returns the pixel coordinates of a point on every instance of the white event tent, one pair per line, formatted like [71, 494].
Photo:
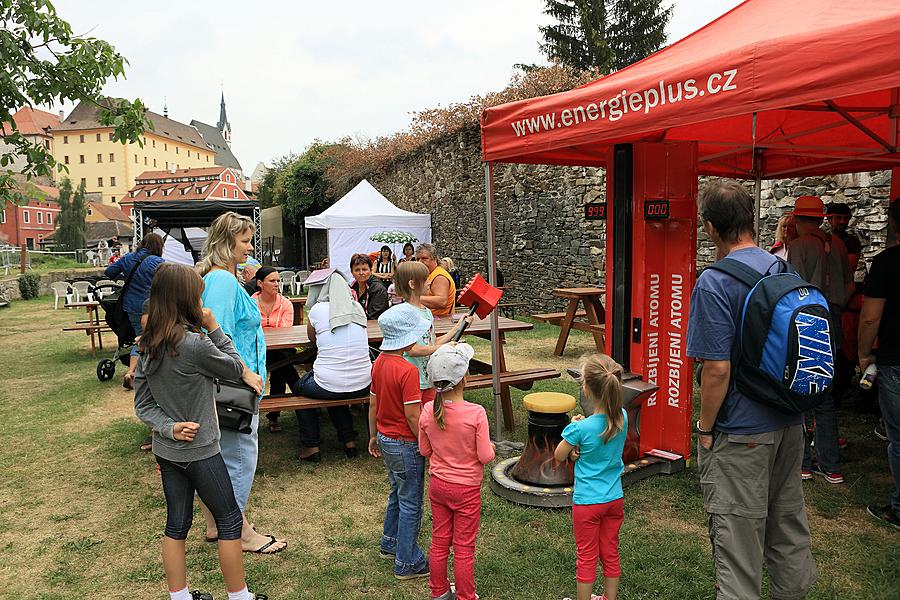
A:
[359, 215]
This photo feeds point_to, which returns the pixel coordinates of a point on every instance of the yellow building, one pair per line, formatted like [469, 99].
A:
[109, 168]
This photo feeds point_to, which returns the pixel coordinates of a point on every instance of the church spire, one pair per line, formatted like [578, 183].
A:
[223, 125]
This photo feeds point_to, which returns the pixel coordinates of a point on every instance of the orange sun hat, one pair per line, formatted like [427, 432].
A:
[809, 206]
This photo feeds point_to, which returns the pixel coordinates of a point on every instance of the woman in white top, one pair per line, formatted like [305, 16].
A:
[342, 369]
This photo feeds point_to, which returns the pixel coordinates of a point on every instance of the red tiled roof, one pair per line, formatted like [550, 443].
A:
[110, 212]
[180, 173]
[36, 191]
[86, 116]
[193, 192]
[30, 121]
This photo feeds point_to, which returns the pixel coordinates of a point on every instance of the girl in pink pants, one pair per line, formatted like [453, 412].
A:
[454, 434]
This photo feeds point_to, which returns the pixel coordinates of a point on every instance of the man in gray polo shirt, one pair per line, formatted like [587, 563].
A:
[749, 454]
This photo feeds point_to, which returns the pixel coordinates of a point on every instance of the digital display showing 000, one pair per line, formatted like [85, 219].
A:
[656, 210]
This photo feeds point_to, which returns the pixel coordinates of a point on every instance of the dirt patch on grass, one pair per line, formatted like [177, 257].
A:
[116, 403]
[318, 507]
[60, 524]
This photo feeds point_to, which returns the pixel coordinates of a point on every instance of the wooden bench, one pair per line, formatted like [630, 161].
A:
[275, 402]
[92, 330]
[557, 317]
[279, 402]
[522, 380]
[579, 322]
[87, 328]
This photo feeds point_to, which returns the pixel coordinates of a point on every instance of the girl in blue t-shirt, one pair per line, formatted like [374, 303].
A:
[595, 444]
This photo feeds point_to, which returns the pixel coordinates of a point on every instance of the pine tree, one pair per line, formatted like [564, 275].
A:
[604, 34]
[64, 220]
[579, 40]
[639, 31]
[79, 215]
[72, 214]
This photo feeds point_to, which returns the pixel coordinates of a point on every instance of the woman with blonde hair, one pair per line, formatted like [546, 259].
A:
[229, 242]
[785, 233]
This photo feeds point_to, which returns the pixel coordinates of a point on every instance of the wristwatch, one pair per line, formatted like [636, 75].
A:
[700, 431]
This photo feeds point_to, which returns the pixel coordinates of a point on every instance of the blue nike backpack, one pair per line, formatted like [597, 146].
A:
[784, 354]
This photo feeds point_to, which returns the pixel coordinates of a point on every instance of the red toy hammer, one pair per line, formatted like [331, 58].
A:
[481, 297]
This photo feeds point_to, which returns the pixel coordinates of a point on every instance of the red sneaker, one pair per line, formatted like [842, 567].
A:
[805, 474]
[831, 477]
[842, 443]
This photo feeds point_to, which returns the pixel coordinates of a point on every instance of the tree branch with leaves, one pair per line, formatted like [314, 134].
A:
[47, 64]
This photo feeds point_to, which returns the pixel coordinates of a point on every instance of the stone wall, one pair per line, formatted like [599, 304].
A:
[9, 286]
[544, 242]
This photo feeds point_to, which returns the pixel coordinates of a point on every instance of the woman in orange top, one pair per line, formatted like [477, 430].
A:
[275, 311]
[441, 291]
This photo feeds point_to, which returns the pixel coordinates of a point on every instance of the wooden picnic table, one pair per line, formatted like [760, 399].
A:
[93, 326]
[293, 337]
[592, 320]
[298, 303]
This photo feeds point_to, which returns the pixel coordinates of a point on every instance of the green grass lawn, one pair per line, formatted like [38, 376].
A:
[82, 509]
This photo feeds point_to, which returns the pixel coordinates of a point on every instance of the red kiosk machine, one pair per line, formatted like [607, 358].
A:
[651, 237]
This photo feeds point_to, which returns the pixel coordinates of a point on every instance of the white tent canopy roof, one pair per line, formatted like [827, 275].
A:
[365, 204]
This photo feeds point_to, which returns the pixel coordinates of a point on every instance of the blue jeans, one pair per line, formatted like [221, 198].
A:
[889, 399]
[308, 419]
[825, 437]
[403, 518]
[240, 452]
[209, 478]
[138, 330]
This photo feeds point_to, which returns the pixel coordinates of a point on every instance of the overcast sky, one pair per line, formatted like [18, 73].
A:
[296, 71]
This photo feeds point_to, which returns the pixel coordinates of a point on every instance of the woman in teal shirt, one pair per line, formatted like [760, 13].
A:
[229, 242]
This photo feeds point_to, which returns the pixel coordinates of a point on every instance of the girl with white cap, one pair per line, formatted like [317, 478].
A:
[455, 435]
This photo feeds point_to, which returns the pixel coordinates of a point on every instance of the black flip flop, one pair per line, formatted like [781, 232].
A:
[262, 549]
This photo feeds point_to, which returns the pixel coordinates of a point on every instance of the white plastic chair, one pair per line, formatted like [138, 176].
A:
[6, 260]
[298, 282]
[62, 290]
[91, 257]
[287, 280]
[82, 290]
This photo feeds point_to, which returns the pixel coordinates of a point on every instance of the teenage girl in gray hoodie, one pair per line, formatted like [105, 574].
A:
[174, 384]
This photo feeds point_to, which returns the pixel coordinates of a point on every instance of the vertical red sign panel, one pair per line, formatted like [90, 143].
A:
[664, 241]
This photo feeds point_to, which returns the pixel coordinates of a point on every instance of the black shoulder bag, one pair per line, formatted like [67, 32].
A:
[236, 403]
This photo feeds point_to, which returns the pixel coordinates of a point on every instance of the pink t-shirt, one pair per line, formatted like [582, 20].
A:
[458, 452]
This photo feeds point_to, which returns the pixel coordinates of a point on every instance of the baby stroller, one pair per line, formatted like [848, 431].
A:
[108, 295]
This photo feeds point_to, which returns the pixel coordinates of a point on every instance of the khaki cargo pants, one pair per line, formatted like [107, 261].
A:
[753, 494]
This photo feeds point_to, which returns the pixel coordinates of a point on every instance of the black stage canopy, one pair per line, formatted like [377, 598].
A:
[173, 215]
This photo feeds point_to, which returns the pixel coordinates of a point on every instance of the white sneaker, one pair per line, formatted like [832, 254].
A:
[453, 591]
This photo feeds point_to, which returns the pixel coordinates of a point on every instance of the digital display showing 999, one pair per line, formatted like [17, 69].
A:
[656, 210]
[595, 211]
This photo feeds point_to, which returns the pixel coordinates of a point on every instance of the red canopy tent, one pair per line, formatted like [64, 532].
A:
[770, 89]
[821, 78]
